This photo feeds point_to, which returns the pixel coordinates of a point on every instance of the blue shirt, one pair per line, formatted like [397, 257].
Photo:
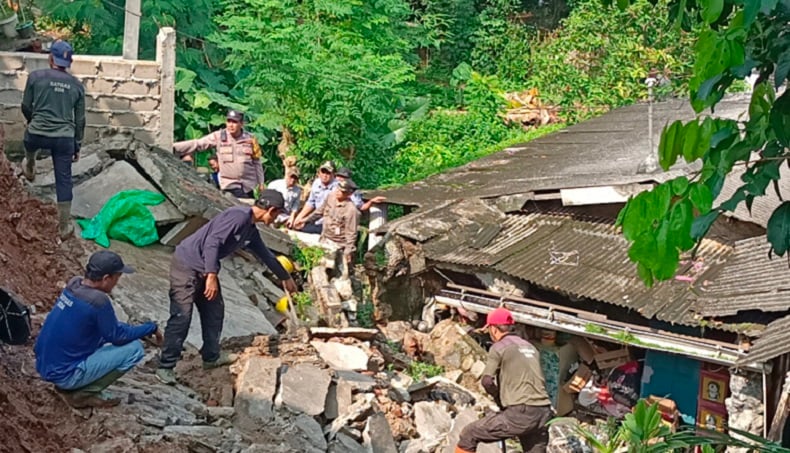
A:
[81, 322]
[229, 231]
[319, 192]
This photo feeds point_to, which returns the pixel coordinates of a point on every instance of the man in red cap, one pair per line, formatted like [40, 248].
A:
[514, 379]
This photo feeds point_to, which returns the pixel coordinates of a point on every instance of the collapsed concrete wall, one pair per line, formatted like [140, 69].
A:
[130, 96]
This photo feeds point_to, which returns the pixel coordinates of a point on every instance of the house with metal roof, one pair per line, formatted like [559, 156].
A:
[532, 228]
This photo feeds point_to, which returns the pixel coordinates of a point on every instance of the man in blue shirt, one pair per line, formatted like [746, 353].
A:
[82, 347]
[194, 280]
[322, 186]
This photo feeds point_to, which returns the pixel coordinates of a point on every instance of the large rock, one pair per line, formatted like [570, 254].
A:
[193, 195]
[91, 195]
[144, 295]
[304, 388]
[182, 231]
[378, 435]
[311, 430]
[432, 419]
[357, 381]
[340, 356]
[453, 349]
[345, 444]
[256, 386]
[338, 399]
[87, 167]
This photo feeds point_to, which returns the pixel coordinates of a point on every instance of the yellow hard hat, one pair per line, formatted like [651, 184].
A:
[287, 264]
[282, 305]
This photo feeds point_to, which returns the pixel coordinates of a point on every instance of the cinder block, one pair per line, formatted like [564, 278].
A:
[16, 82]
[97, 118]
[127, 120]
[132, 87]
[12, 113]
[146, 104]
[35, 61]
[10, 97]
[82, 68]
[146, 136]
[11, 62]
[92, 133]
[99, 86]
[146, 70]
[108, 103]
[115, 69]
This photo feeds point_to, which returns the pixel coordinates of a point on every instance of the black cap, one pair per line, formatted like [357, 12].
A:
[235, 115]
[343, 172]
[105, 262]
[270, 198]
[347, 185]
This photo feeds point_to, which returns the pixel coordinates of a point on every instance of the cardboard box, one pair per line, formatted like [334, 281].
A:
[612, 359]
[666, 406]
[579, 379]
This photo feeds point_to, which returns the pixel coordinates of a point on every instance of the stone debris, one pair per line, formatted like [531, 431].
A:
[340, 356]
[304, 388]
[256, 386]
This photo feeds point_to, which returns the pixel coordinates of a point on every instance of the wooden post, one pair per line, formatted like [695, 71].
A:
[131, 30]
[378, 218]
[782, 411]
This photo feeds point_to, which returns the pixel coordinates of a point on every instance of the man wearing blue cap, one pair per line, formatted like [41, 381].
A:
[54, 107]
[82, 347]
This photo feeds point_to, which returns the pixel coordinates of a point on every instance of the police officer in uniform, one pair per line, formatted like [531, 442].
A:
[238, 153]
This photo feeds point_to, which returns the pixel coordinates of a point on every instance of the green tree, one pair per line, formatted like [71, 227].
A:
[738, 37]
[330, 71]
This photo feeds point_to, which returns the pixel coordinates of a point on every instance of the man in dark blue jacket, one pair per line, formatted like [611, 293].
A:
[194, 280]
[82, 347]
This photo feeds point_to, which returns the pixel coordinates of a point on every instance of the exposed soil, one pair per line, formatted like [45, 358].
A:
[34, 266]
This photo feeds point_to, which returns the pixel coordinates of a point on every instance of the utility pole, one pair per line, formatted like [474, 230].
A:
[650, 164]
[131, 30]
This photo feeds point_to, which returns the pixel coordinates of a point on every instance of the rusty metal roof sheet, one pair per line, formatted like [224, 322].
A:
[749, 281]
[581, 257]
[606, 150]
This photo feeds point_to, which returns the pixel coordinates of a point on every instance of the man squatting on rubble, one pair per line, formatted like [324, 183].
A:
[514, 379]
[341, 221]
[238, 153]
[54, 108]
[194, 281]
[82, 347]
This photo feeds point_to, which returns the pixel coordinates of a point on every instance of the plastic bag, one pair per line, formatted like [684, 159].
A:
[125, 217]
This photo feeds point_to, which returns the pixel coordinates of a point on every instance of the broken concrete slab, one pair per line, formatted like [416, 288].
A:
[182, 230]
[256, 386]
[311, 430]
[193, 195]
[325, 296]
[340, 356]
[358, 381]
[204, 431]
[303, 388]
[151, 400]
[88, 166]
[453, 349]
[345, 444]
[464, 418]
[378, 435]
[432, 419]
[91, 195]
[357, 411]
[144, 294]
[338, 399]
[359, 333]
[270, 290]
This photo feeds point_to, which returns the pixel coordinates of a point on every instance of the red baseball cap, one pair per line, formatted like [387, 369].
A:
[500, 317]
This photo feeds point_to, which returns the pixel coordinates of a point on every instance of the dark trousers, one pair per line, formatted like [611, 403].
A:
[186, 291]
[238, 192]
[62, 151]
[312, 228]
[528, 423]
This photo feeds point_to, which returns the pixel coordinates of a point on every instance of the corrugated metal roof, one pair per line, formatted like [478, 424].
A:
[584, 258]
[749, 281]
[607, 150]
[774, 341]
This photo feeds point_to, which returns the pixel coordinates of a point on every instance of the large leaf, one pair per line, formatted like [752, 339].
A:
[782, 68]
[702, 197]
[701, 225]
[670, 146]
[780, 118]
[778, 230]
[711, 10]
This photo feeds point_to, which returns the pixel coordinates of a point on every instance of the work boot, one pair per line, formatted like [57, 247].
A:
[224, 359]
[166, 376]
[93, 395]
[29, 169]
[461, 450]
[65, 227]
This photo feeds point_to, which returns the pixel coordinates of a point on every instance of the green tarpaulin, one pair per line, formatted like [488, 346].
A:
[125, 217]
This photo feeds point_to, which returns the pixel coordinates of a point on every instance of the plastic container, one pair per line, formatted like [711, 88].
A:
[8, 25]
[25, 30]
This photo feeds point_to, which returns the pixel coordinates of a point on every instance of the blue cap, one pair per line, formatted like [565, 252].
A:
[61, 52]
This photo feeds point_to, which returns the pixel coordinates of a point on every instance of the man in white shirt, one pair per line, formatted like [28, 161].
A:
[292, 193]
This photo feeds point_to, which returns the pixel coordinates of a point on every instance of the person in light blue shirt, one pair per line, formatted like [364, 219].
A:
[322, 186]
[82, 347]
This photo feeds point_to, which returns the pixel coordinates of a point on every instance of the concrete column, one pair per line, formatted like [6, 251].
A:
[378, 218]
[166, 57]
[131, 30]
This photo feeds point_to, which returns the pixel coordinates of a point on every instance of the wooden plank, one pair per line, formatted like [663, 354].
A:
[782, 411]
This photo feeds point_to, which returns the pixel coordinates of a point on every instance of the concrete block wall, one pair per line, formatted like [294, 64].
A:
[120, 96]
